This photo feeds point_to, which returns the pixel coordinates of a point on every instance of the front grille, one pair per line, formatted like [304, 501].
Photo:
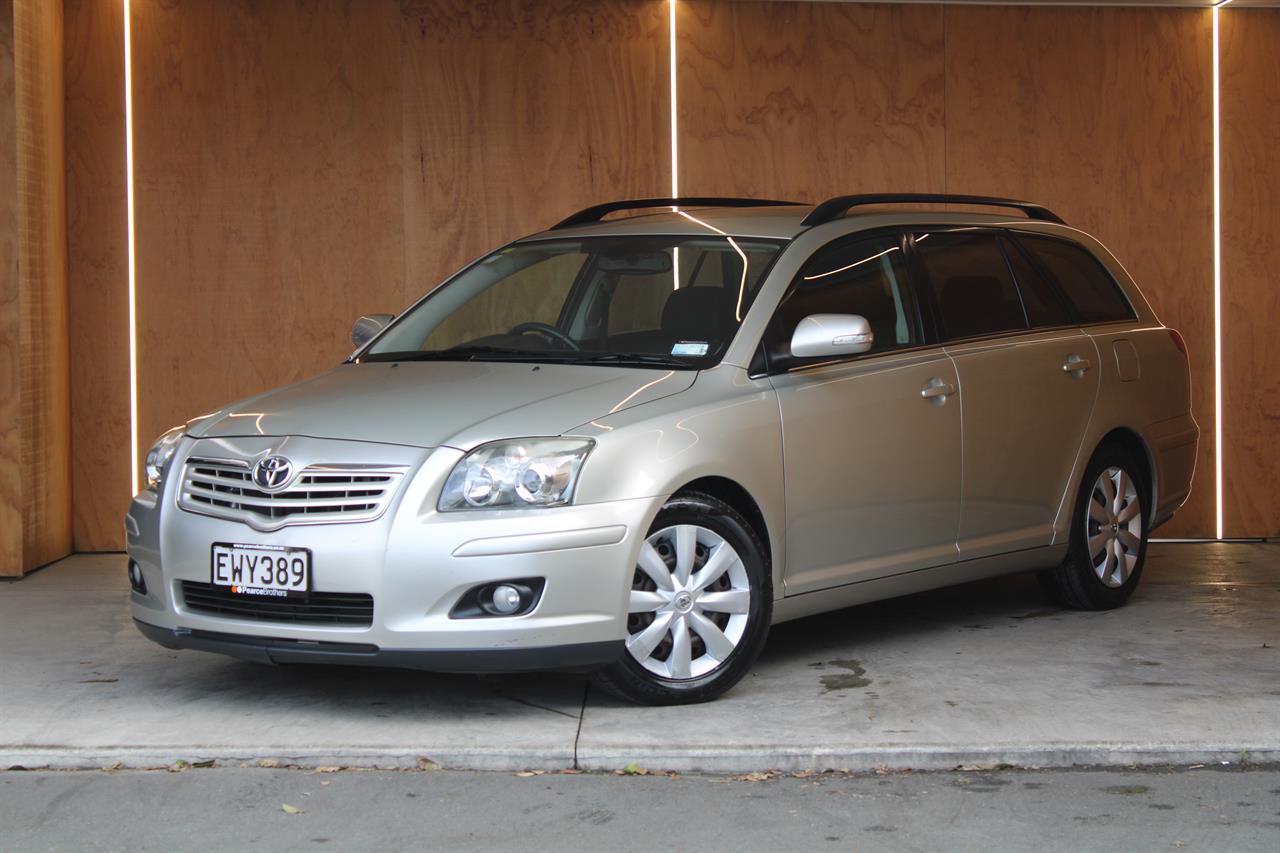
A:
[321, 493]
[316, 608]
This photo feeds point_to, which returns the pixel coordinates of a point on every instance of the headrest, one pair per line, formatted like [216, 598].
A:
[698, 313]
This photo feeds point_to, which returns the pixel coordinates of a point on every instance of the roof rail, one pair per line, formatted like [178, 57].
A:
[834, 208]
[600, 211]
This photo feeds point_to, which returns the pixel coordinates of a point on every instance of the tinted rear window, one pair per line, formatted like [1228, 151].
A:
[1081, 277]
[975, 291]
[1045, 308]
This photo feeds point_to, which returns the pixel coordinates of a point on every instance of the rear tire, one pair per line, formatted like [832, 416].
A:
[699, 607]
[1107, 542]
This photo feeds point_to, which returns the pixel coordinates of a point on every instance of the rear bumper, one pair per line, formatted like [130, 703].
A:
[276, 650]
[1174, 443]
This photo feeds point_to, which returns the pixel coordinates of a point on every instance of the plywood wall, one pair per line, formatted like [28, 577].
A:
[1250, 142]
[42, 282]
[517, 112]
[10, 351]
[268, 192]
[300, 162]
[808, 100]
[1104, 115]
[97, 260]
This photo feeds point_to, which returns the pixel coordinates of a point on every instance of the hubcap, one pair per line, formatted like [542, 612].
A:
[690, 596]
[1114, 526]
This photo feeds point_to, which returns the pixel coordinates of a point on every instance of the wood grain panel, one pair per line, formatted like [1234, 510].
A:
[1250, 133]
[10, 352]
[268, 192]
[517, 112]
[42, 279]
[97, 269]
[807, 101]
[1104, 115]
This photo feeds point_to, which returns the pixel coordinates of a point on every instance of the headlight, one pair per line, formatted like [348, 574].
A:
[531, 472]
[159, 455]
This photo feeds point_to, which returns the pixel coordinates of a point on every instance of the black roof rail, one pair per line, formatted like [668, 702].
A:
[600, 211]
[834, 208]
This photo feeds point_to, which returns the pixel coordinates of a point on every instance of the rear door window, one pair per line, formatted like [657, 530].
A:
[1044, 306]
[975, 291]
[1092, 291]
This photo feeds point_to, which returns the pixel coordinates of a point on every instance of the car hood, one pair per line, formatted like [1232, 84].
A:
[427, 404]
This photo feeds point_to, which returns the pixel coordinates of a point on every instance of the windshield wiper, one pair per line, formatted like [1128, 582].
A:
[483, 352]
[459, 353]
[638, 359]
[416, 355]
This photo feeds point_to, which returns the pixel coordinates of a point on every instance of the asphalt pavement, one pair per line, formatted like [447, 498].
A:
[256, 809]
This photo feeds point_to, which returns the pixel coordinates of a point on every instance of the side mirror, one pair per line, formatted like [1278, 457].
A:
[368, 326]
[831, 334]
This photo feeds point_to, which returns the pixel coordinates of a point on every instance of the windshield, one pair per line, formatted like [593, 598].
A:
[629, 301]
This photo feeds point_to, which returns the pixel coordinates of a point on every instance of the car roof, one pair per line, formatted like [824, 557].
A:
[777, 222]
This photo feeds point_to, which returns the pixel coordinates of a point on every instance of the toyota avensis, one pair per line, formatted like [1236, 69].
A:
[633, 445]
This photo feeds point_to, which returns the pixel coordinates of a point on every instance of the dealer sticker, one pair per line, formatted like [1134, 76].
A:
[689, 348]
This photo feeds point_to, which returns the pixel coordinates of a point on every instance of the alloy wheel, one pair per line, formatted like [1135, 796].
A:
[1114, 526]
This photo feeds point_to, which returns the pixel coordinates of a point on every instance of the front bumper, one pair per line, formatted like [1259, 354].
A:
[270, 650]
[415, 562]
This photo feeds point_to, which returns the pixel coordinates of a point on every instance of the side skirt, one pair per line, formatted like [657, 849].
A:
[862, 592]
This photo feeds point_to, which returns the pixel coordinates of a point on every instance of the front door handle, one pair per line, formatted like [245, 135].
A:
[1076, 366]
[938, 391]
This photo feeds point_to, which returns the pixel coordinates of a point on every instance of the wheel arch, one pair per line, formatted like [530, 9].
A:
[733, 493]
[1132, 443]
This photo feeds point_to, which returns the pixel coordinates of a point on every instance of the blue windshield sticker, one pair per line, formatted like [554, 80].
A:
[689, 348]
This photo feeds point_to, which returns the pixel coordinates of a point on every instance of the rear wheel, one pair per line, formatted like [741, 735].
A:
[699, 606]
[1108, 537]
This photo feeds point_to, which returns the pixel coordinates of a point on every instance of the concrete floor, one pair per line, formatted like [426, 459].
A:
[984, 674]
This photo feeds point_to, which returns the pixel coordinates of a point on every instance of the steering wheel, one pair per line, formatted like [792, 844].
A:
[546, 330]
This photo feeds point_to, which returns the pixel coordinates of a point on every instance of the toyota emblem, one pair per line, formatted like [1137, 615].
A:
[272, 473]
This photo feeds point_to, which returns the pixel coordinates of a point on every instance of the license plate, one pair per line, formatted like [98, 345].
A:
[264, 570]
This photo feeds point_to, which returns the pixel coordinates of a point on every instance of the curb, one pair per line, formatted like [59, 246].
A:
[609, 758]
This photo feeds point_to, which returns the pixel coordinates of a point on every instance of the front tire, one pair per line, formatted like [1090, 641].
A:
[699, 606]
[1108, 539]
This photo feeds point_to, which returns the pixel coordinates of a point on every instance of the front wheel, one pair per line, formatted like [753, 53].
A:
[699, 606]
[1108, 539]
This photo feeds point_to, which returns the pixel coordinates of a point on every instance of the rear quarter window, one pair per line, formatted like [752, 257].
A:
[1082, 278]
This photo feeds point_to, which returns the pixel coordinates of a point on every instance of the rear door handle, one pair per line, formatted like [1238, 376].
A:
[1076, 365]
[942, 389]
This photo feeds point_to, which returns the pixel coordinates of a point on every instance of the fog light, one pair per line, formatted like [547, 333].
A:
[136, 581]
[506, 599]
[499, 599]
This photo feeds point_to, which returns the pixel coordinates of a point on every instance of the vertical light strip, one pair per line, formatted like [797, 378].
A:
[675, 148]
[1217, 283]
[133, 302]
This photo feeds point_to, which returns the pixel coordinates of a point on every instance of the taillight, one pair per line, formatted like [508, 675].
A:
[1178, 341]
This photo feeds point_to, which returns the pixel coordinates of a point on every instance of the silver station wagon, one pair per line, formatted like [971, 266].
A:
[632, 444]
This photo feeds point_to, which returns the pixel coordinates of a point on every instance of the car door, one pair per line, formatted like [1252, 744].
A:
[871, 443]
[1028, 381]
